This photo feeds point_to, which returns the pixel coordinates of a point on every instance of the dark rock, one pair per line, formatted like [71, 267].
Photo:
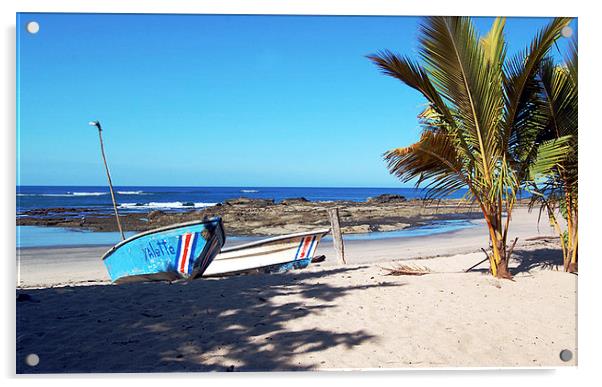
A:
[387, 198]
[249, 202]
[155, 215]
[59, 210]
[319, 258]
[289, 201]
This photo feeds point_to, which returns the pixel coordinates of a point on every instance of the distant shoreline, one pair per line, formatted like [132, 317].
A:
[264, 217]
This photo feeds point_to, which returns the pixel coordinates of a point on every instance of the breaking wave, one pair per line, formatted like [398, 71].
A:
[71, 194]
[165, 205]
[68, 194]
[87, 193]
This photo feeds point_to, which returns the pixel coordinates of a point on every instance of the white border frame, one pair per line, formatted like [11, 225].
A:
[589, 321]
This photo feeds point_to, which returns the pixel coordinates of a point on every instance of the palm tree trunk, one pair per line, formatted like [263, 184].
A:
[573, 264]
[563, 244]
[570, 259]
[573, 243]
[499, 259]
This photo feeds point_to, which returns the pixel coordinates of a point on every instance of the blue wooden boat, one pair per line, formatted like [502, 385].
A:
[179, 251]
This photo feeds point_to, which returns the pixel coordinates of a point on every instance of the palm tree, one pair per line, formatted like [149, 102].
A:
[557, 191]
[481, 122]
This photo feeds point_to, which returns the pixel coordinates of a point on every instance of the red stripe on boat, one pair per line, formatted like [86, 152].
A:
[306, 242]
[184, 252]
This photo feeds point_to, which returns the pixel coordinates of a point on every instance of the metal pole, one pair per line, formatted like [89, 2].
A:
[102, 150]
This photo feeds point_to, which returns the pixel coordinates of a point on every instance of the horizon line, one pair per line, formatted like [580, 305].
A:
[209, 186]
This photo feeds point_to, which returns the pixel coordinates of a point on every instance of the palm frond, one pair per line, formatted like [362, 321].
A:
[521, 87]
[440, 117]
[456, 62]
[550, 155]
[493, 44]
[432, 161]
[571, 61]
[412, 74]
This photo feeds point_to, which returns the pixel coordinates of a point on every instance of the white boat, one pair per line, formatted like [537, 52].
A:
[277, 254]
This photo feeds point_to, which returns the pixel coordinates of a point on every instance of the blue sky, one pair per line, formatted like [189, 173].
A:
[210, 100]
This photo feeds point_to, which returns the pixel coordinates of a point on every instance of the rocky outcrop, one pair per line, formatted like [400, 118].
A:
[387, 198]
[245, 216]
[249, 202]
[57, 210]
[154, 215]
[293, 201]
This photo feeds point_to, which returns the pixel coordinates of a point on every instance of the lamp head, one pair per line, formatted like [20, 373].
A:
[95, 123]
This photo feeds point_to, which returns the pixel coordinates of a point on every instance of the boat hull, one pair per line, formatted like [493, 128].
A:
[180, 251]
[278, 254]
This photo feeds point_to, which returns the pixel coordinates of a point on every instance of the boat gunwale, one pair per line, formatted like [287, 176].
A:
[250, 270]
[165, 228]
[277, 238]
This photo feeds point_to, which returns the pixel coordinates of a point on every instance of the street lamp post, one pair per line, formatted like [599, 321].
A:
[102, 151]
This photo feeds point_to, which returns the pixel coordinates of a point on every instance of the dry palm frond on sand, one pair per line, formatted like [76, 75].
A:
[402, 269]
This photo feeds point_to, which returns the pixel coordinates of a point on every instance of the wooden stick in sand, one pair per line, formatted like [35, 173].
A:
[477, 264]
[488, 257]
[102, 150]
[337, 236]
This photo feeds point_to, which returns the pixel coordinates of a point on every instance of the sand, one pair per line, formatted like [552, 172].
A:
[326, 317]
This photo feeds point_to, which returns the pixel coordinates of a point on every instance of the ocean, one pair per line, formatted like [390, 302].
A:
[175, 199]
[133, 198]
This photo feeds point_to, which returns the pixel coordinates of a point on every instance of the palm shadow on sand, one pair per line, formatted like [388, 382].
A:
[231, 323]
[526, 260]
[543, 258]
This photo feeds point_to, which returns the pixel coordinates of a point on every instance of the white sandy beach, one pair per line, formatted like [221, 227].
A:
[328, 316]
